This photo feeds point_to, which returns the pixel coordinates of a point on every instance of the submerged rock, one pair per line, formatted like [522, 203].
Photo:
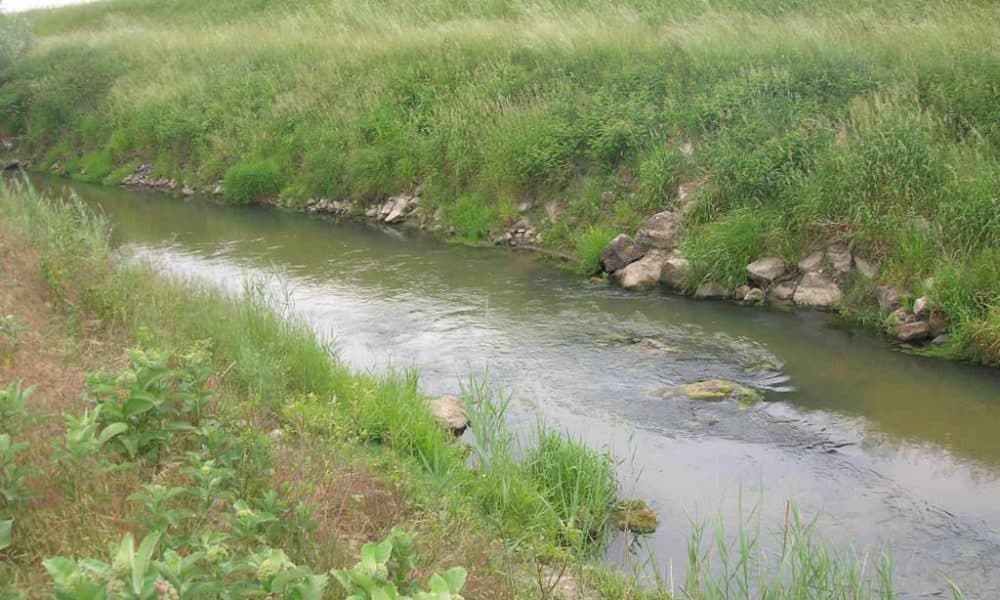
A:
[449, 412]
[635, 516]
[660, 231]
[817, 291]
[720, 389]
[643, 273]
[621, 252]
[711, 291]
[767, 270]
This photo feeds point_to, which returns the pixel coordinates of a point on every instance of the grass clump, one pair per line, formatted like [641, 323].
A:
[590, 244]
[252, 181]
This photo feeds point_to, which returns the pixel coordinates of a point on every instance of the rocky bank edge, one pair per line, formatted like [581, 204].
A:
[651, 258]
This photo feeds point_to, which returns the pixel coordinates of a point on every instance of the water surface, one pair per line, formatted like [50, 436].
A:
[888, 450]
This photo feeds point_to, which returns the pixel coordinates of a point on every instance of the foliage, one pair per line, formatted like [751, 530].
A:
[385, 571]
[151, 399]
[14, 42]
[10, 335]
[246, 182]
[590, 244]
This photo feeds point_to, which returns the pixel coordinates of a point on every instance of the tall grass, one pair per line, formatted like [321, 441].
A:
[862, 120]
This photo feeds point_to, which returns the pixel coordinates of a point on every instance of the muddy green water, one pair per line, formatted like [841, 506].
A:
[888, 450]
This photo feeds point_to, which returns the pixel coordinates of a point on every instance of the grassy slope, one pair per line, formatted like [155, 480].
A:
[868, 121]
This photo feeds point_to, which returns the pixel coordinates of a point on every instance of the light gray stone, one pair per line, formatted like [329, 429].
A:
[643, 273]
[782, 293]
[922, 307]
[817, 291]
[754, 296]
[813, 262]
[901, 316]
[660, 231]
[767, 270]
[449, 413]
[866, 268]
[839, 257]
[913, 331]
[675, 271]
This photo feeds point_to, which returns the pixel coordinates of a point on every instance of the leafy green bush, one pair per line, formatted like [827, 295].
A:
[471, 217]
[251, 181]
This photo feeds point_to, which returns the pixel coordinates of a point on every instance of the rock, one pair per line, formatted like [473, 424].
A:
[371, 212]
[839, 257]
[865, 268]
[449, 413]
[888, 298]
[553, 210]
[418, 191]
[782, 293]
[11, 165]
[675, 271]
[276, 434]
[754, 296]
[720, 389]
[813, 262]
[660, 231]
[395, 209]
[217, 190]
[187, 190]
[909, 332]
[643, 273]
[525, 206]
[620, 252]
[741, 292]
[767, 270]
[901, 315]
[711, 290]
[922, 307]
[941, 340]
[938, 322]
[817, 291]
[635, 516]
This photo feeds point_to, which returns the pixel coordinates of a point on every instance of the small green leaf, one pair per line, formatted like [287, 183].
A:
[455, 577]
[111, 431]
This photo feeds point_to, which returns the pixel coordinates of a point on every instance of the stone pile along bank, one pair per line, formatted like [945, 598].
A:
[652, 258]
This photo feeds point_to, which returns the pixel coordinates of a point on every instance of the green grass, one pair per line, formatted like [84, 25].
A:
[813, 120]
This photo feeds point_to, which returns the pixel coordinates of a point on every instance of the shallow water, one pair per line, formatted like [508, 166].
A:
[886, 449]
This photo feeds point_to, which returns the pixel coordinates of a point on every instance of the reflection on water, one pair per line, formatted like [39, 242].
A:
[887, 448]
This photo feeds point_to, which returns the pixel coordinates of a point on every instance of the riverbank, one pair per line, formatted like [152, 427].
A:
[814, 128]
[260, 373]
[218, 428]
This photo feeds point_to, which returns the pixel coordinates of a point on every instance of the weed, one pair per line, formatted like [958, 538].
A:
[247, 182]
[590, 243]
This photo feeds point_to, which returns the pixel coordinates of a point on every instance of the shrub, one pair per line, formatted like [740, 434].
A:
[246, 182]
[589, 245]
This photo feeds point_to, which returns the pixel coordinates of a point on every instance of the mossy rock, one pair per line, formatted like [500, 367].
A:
[721, 389]
[635, 516]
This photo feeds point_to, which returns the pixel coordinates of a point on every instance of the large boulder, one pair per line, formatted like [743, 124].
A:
[817, 291]
[922, 307]
[813, 262]
[620, 252]
[449, 413]
[767, 270]
[660, 231]
[675, 271]
[643, 273]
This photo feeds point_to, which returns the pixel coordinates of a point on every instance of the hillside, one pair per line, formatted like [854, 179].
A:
[785, 125]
